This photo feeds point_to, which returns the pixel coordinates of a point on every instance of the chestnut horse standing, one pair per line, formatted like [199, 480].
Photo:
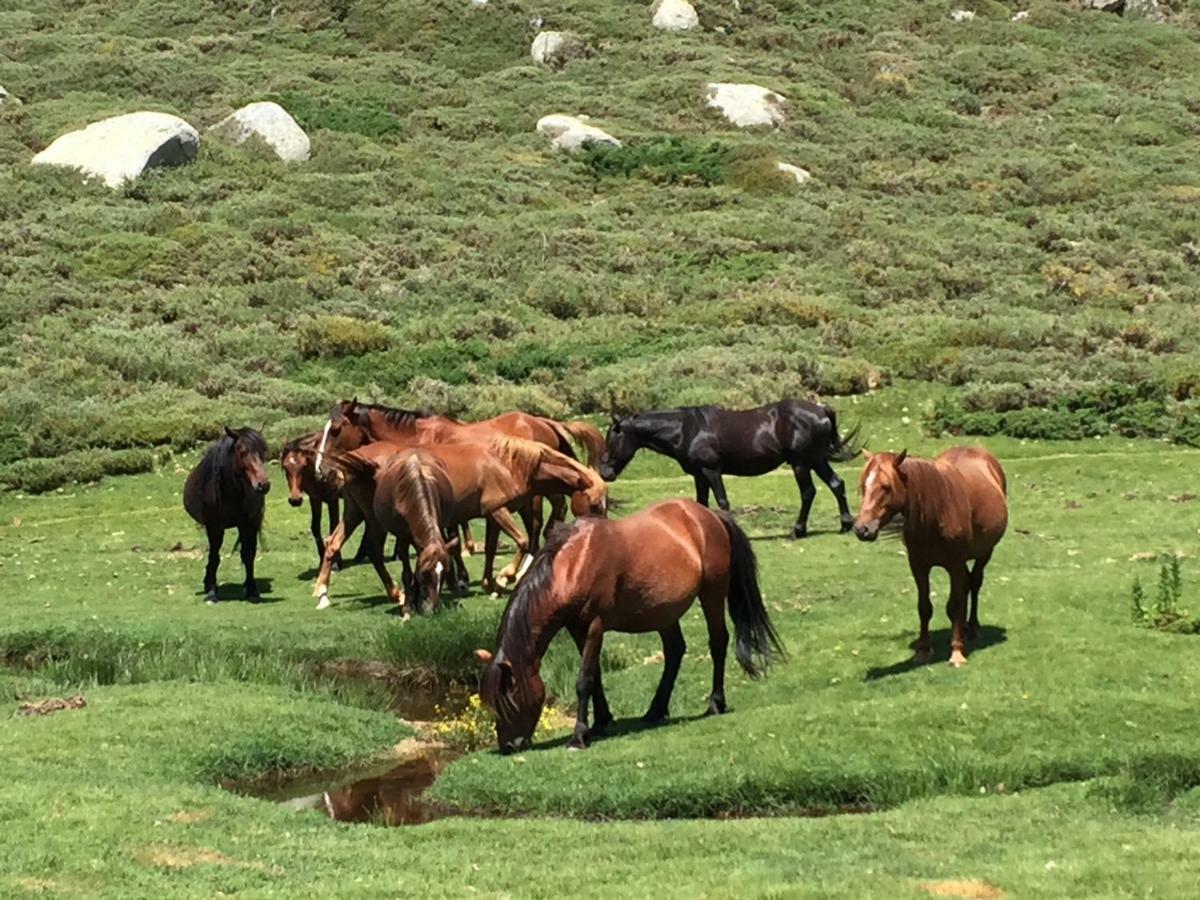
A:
[296, 460]
[226, 490]
[638, 574]
[955, 511]
[487, 480]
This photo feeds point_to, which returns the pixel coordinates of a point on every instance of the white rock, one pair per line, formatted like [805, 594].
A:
[1020, 15]
[675, 15]
[6, 97]
[801, 175]
[550, 48]
[746, 104]
[962, 15]
[272, 123]
[572, 132]
[123, 147]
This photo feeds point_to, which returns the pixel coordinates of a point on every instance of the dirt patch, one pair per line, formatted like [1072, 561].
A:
[190, 816]
[1182, 498]
[53, 705]
[38, 885]
[963, 887]
[163, 856]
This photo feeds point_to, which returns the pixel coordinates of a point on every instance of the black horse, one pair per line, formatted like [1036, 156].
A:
[226, 490]
[708, 442]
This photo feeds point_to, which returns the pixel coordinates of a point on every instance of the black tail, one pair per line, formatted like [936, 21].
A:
[843, 448]
[754, 635]
[565, 446]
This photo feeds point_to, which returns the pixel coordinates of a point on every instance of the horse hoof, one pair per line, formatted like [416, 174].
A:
[715, 708]
[847, 525]
[957, 660]
[335, 567]
[799, 532]
[577, 743]
[324, 602]
[253, 598]
[654, 718]
[210, 601]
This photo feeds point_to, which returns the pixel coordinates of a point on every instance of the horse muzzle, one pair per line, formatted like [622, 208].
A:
[516, 745]
[296, 501]
[866, 532]
[262, 487]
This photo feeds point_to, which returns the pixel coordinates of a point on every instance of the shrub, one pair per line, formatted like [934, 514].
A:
[672, 160]
[333, 336]
[41, 474]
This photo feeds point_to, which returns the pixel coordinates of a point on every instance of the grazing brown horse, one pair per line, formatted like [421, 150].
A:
[353, 424]
[226, 490]
[638, 574]
[407, 494]
[954, 512]
[487, 480]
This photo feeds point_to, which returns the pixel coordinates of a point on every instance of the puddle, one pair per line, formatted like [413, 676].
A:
[392, 793]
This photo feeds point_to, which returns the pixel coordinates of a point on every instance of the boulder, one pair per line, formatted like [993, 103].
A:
[553, 48]
[6, 97]
[962, 15]
[572, 132]
[746, 105]
[270, 122]
[801, 175]
[123, 147]
[1020, 15]
[675, 15]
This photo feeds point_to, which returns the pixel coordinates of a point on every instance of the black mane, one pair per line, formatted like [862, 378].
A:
[394, 415]
[216, 474]
[515, 634]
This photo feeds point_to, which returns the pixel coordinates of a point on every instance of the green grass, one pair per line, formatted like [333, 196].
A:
[1073, 732]
[992, 203]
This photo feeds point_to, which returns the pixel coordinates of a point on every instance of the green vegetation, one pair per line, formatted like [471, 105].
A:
[993, 203]
[1069, 720]
[1166, 613]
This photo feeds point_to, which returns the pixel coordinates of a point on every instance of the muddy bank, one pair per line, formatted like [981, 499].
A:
[414, 698]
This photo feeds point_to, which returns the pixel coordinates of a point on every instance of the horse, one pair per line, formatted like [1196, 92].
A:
[296, 460]
[488, 479]
[227, 490]
[636, 574]
[408, 494]
[709, 442]
[352, 424]
[955, 511]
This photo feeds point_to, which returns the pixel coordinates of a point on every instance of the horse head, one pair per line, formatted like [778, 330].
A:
[247, 455]
[294, 461]
[433, 561]
[516, 695]
[619, 447]
[884, 492]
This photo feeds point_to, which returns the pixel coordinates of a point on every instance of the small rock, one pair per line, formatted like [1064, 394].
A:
[746, 105]
[801, 175]
[675, 15]
[553, 48]
[572, 132]
[268, 121]
[121, 148]
[7, 98]
[962, 15]
[1020, 15]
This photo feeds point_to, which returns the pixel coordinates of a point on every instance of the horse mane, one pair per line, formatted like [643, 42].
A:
[304, 444]
[515, 635]
[393, 415]
[349, 466]
[216, 466]
[936, 501]
[416, 487]
[528, 455]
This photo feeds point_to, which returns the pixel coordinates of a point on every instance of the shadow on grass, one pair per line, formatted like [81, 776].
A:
[623, 727]
[989, 636]
[237, 591]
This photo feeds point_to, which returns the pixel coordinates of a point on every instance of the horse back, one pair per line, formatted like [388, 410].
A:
[985, 487]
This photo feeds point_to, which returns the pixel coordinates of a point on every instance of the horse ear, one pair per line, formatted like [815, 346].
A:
[867, 454]
[484, 657]
[506, 675]
[903, 456]
[229, 433]
[451, 546]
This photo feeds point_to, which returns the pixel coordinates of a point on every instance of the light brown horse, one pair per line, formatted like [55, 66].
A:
[638, 574]
[955, 512]
[486, 480]
[353, 424]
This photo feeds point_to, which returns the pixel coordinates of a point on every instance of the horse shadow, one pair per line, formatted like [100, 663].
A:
[623, 727]
[237, 591]
[989, 636]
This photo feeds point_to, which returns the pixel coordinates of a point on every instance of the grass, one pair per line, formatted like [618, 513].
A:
[1071, 721]
[993, 203]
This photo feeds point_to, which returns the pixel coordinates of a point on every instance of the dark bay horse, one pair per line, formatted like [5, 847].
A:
[636, 574]
[955, 511]
[226, 490]
[709, 442]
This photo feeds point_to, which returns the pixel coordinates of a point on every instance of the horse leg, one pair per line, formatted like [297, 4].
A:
[375, 539]
[490, 542]
[713, 476]
[807, 494]
[505, 520]
[826, 474]
[216, 537]
[920, 574]
[956, 610]
[333, 547]
[335, 518]
[558, 513]
[531, 518]
[407, 583]
[701, 490]
[673, 650]
[601, 715]
[976, 587]
[467, 543]
[248, 537]
[712, 601]
[589, 670]
[315, 510]
[458, 569]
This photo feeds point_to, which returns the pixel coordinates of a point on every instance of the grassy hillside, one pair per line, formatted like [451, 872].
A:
[993, 203]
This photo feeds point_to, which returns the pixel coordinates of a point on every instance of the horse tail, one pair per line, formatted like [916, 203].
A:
[756, 641]
[590, 437]
[843, 448]
[563, 436]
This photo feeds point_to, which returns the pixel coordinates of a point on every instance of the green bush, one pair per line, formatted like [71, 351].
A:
[673, 160]
[333, 336]
[37, 475]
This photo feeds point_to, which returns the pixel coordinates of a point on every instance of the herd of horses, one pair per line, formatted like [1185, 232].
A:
[424, 478]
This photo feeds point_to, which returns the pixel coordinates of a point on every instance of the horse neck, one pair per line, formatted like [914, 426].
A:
[656, 432]
[418, 497]
[557, 473]
[542, 619]
[934, 503]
